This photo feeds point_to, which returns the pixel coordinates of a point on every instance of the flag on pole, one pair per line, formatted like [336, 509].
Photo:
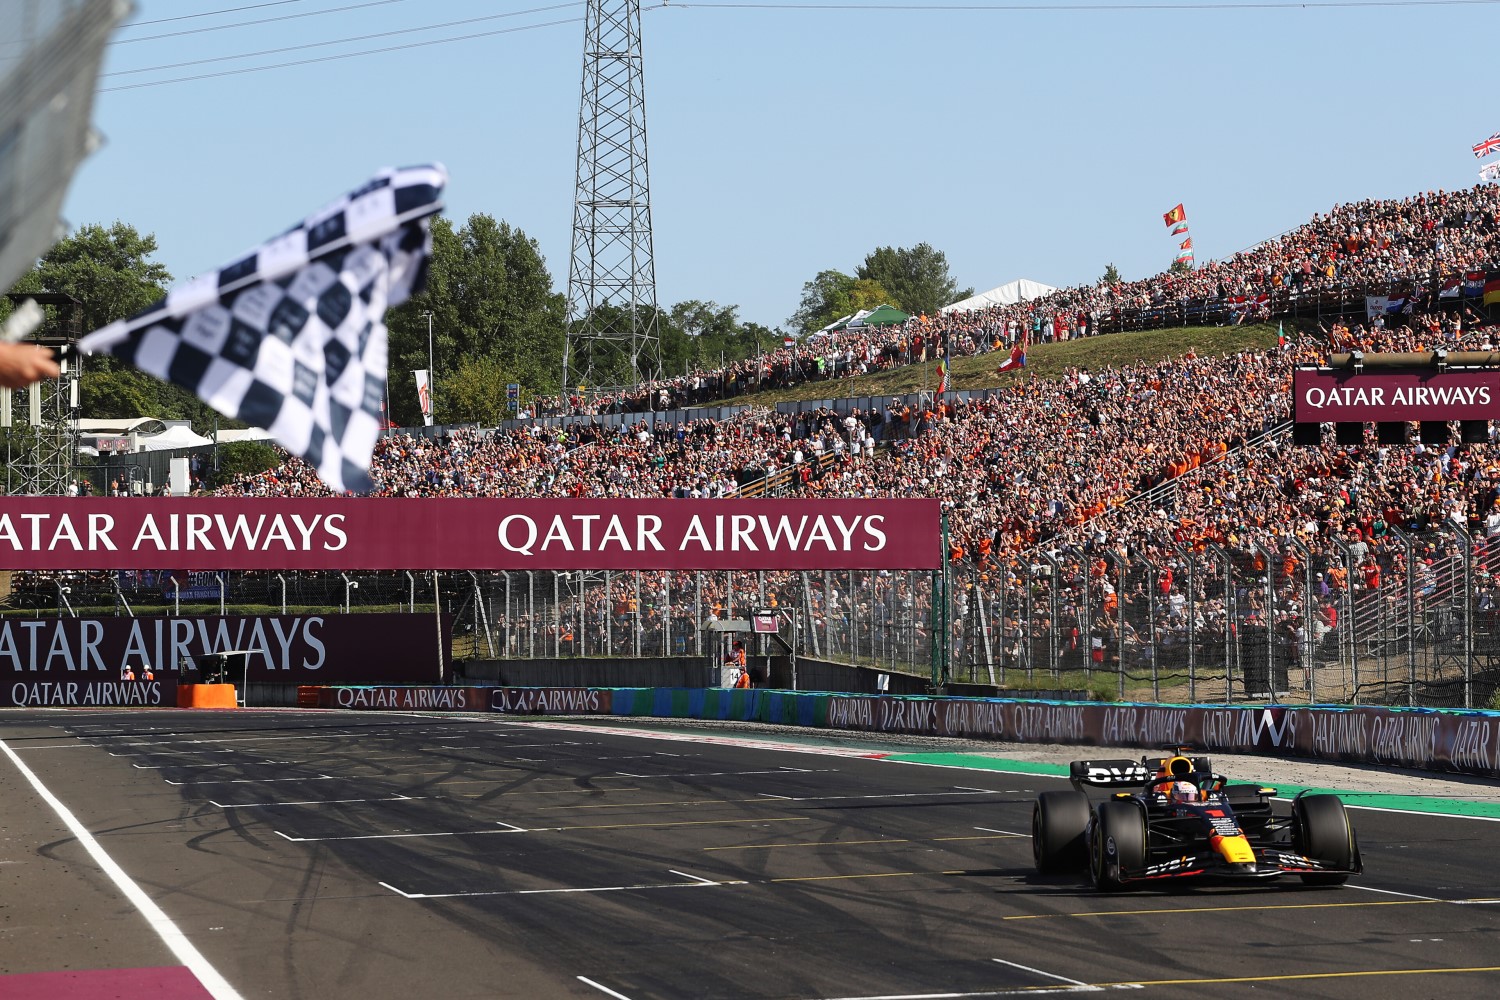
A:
[1490, 172]
[1281, 342]
[291, 337]
[1183, 257]
[1186, 244]
[1176, 215]
[942, 376]
[1180, 229]
[1016, 360]
[1485, 147]
[424, 395]
[788, 340]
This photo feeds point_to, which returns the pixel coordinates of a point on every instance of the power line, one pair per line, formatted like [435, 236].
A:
[346, 55]
[1198, 5]
[245, 24]
[341, 41]
[209, 13]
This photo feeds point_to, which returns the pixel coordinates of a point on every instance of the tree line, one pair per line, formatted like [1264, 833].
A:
[491, 305]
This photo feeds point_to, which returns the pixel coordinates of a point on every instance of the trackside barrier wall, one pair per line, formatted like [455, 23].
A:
[1426, 739]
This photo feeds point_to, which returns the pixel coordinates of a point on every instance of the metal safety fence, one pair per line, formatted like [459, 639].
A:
[1400, 619]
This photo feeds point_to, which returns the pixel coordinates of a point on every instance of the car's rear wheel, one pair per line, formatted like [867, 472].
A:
[1322, 832]
[1058, 823]
[1118, 845]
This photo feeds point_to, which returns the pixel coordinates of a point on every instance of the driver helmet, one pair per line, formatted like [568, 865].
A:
[1182, 791]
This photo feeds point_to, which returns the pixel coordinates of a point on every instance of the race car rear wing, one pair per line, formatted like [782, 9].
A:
[1122, 773]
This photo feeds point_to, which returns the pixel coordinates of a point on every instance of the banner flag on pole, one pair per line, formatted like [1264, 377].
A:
[291, 337]
[1490, 172]
[1180, 229]
[424, 395]
[1176, 215]
[1485, 147]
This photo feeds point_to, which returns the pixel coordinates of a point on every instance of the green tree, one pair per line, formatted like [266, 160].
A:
[246, 458]
[1111, 274]
[917, 278]
[1181, 267]
[122, 392]
[493, 311]
[109, 270]
[833, 295]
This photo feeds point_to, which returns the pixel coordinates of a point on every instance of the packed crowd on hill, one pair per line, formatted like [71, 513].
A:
[1368, 245]
[1024, 465]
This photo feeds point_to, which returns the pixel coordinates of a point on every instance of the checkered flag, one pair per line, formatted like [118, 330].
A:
[291, 337]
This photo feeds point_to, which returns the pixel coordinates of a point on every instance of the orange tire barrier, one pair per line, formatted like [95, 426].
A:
[206, 696]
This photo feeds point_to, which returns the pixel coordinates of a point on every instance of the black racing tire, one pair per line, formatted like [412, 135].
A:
[1321, 831]
[1118, 844]
[1059, 821]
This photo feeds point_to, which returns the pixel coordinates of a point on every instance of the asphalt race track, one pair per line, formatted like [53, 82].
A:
[370, 856]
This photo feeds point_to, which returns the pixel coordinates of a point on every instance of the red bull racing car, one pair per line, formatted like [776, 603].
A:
[1182, 821]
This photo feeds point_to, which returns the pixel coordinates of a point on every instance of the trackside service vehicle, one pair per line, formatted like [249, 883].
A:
[1181, 821]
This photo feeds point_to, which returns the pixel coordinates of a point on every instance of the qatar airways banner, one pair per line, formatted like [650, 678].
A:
[290, 649]
[1364, 397]
[356, 533]
[1467, 742]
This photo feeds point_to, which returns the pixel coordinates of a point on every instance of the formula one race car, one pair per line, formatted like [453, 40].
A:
[1182, 821]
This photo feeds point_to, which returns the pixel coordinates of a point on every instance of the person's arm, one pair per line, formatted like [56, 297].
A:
[23, 364]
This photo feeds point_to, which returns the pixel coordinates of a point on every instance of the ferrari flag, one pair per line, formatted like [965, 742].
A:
[1176, 215]
[291, 337]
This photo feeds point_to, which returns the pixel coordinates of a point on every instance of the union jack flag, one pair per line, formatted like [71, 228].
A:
[1488, 146]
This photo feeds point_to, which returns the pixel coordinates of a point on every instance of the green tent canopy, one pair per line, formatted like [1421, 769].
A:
[885, 316]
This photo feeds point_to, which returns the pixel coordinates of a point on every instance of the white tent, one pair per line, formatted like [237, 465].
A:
[173, 437]
[232, 435]
[1008, 294]
[854, 319]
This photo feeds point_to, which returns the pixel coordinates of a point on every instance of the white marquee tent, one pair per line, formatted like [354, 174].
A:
[1020, 290]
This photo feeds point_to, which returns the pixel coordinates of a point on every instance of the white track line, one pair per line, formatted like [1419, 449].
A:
[1393, 892]
[217, 986]
[697, 883]
[310, 802]
[602, 989]
[1049, 975]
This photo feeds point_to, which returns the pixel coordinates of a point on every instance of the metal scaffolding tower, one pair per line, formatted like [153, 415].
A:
[40, 422]
[612, 337]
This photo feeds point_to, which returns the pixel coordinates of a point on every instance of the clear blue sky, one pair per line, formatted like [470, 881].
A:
[1022, 143]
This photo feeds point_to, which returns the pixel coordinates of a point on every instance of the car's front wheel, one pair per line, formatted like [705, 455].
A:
[1118, 844]
[1322, 831]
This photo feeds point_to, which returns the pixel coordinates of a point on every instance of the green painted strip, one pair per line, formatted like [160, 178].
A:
[1368, 800]
[979, 763]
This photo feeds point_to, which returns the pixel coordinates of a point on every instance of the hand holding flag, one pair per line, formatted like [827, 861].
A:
[291, 337]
